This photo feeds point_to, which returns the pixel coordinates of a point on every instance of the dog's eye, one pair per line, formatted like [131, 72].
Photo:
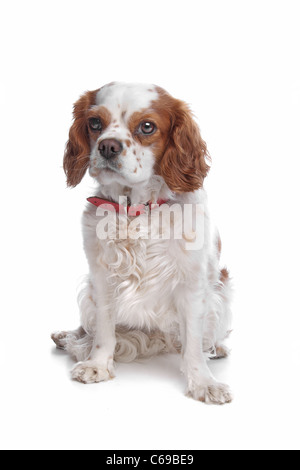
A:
[95, 124]
[147, 128]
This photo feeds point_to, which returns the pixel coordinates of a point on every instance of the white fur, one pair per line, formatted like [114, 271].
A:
[126, 98]
[145, 296]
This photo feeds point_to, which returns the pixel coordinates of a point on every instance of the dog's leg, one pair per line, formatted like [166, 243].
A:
[201, 383]
[61, 338]
[100, 364]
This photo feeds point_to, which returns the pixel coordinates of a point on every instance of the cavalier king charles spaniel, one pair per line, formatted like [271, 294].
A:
[155, 283]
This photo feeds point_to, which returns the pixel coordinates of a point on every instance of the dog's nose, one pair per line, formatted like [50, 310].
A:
[110, 148]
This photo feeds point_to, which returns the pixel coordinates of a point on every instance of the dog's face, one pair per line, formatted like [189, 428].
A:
[127, 133]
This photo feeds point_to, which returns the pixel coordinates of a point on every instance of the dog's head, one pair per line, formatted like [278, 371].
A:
[127, 133]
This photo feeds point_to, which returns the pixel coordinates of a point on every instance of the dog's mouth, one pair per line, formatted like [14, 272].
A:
[108, 167]
[111, 166]
[106, 173]
[110, 171]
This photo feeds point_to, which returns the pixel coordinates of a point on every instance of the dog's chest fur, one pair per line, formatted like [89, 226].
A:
[143, 273]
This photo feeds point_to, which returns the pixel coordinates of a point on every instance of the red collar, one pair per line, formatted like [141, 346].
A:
[132, 211]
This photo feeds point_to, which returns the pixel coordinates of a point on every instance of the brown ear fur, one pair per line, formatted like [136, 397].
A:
[184, 165]
[76, 157]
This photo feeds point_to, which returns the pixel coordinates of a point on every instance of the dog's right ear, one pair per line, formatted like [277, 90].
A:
[77, 153]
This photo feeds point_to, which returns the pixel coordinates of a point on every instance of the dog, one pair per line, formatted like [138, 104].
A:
[146, 293]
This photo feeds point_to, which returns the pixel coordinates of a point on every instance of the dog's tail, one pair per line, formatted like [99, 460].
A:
[132, 345]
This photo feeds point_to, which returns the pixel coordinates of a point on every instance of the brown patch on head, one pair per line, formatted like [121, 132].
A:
[134, 153]
[76, 157]
[124, 153]
[135, 171]
[159, 118]
[128, 143]
[181, 157]
[104, 115]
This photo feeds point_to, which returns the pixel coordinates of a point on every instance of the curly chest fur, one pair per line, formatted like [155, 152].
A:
[141, 275]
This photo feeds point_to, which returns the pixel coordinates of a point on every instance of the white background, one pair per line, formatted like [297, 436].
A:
[237, 64]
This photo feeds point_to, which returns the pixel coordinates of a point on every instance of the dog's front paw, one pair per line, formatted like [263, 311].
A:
[213, 393]
[90, 372]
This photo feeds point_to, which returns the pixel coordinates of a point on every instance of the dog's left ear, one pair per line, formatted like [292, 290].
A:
[184, 163]
[77, 153]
